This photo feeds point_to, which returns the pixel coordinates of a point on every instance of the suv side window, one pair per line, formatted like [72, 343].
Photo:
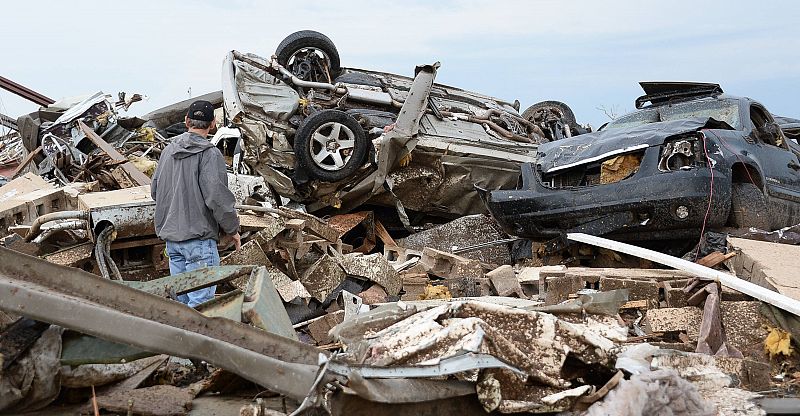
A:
[759, 119]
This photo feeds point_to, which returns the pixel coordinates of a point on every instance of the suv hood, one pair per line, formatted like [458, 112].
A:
[605, 143]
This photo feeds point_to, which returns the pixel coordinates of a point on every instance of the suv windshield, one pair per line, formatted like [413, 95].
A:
[721, 110]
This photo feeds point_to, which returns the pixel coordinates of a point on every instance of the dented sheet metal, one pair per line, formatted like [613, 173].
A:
[255, 99]
[603, 144]
[87, 303]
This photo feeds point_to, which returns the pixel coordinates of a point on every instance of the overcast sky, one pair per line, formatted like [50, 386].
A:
[588, 54]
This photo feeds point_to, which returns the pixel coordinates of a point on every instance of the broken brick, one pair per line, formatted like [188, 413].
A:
[505, 282]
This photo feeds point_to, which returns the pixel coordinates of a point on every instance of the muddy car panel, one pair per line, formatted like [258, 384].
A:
[447, 147]
[666, 193]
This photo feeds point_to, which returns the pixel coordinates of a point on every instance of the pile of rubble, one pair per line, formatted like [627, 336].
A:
[385, 302]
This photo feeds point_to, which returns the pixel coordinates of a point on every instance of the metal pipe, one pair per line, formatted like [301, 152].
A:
[66, 225]
[99, 254]
[36, 226]
[107, 253]
[307, 84]
[491, 124]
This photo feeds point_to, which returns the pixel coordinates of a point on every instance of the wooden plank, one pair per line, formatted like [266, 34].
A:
[136, 175]
[25, 162]
[384, 235]
[773, 298]
[714, 259]
[635, 304]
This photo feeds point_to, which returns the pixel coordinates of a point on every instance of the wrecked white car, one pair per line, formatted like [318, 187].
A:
[318, 132]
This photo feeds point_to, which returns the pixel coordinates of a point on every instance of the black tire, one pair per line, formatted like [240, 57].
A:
[325, 168]
[309, 39]
[748, 207]
[557, 107]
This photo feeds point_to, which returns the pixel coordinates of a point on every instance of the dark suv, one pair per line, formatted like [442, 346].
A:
[689, 157]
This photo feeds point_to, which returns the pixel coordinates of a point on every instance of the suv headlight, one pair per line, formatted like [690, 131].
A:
[681, 154]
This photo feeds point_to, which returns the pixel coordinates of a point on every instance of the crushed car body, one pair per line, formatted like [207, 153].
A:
[317, 131]
[694, 157]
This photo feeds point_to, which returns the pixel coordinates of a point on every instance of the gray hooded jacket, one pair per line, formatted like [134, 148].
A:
[190, 188]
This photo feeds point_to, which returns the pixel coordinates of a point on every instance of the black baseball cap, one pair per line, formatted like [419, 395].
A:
[201, 110]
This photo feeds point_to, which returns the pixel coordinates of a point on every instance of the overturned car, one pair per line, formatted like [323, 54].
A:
[691, 157]
[330, 136]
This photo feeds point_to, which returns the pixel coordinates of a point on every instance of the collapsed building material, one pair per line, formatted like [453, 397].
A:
[770, 265]
[446, 265]
[102, 308]
[529, 342]
[505, 282]
[466, 231]
[773, 298]
[686, 320]
[556, 284]
[320, 328]
[374, 268]
[26, 198]
[136, 176]
[323, 277]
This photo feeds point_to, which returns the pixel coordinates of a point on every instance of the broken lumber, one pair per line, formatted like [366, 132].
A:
[773, 298]
[136, 175]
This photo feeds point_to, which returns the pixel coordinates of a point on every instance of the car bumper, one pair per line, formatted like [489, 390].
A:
[636, 207]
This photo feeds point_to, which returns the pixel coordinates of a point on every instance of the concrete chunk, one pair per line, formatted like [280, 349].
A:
[770, 265]
[463, 232]
[505, 282]
[686, 319]
[375, 268]
[450, 266]
[288, 289]
[323, 277]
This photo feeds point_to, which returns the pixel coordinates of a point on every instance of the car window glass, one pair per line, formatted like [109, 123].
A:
[721, 110]
[759, 120]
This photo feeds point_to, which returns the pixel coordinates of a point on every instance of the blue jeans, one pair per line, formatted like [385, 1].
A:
[189, 255]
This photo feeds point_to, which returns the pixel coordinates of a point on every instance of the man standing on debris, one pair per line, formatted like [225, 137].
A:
[193, 202]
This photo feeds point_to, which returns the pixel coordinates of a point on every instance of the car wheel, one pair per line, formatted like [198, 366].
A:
[545, 110]
[309, 55]
[748, 207]
[330, 145]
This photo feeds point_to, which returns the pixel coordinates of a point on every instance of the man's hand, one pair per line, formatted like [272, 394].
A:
[237, 241]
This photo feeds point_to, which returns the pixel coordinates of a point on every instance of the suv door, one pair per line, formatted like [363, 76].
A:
[780, 167]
